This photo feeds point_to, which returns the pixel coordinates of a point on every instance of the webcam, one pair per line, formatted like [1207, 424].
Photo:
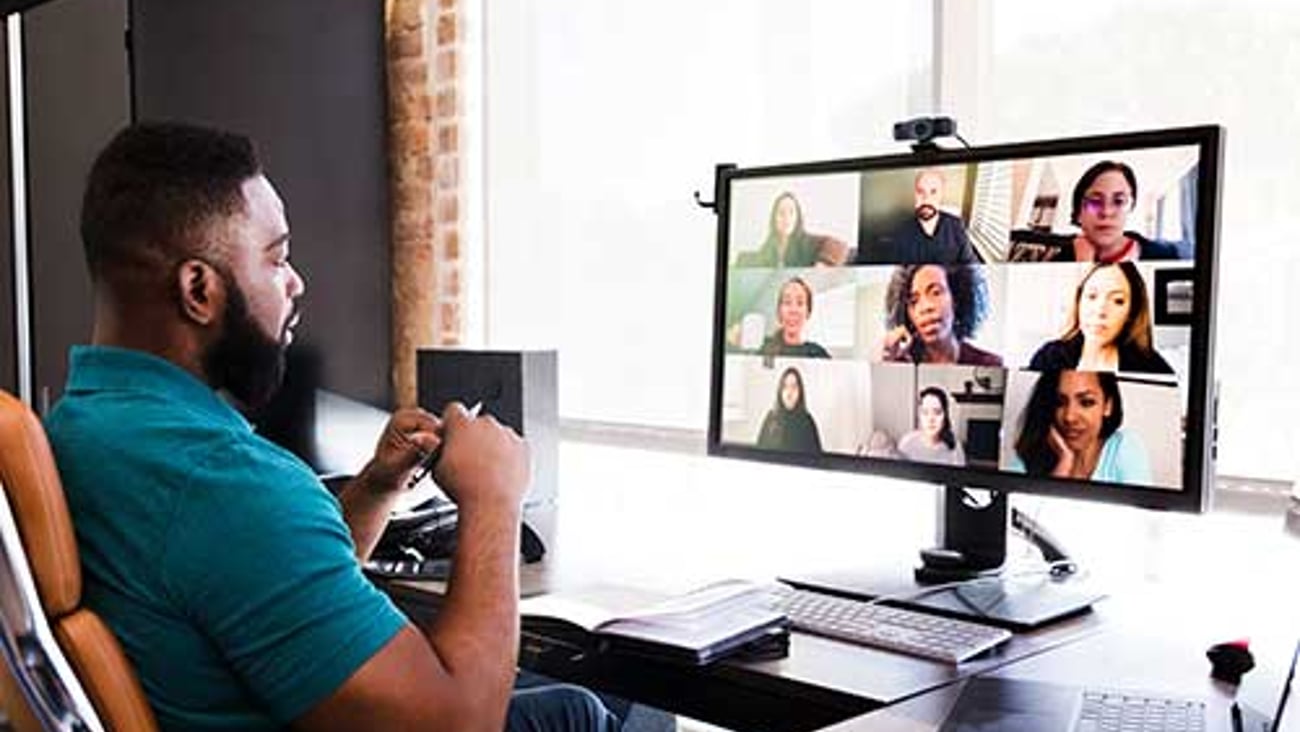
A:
[925, 129]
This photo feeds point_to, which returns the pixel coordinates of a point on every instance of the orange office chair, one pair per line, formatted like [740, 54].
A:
[76, 678]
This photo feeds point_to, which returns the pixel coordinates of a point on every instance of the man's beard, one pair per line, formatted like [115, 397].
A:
[925, 212]
[244, 361]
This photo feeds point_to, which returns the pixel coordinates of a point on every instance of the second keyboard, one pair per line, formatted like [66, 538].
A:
[896, 629]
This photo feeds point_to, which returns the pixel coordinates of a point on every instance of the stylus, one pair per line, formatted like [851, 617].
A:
[431, 460]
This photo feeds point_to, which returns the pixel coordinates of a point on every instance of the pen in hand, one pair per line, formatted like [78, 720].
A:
[430, 460]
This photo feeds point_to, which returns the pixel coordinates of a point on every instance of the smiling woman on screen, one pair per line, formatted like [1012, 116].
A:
[1071, 428]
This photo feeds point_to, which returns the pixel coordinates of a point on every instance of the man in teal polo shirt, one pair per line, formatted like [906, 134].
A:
[225, 568]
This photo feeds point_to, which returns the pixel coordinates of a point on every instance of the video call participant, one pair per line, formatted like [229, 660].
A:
[182, 510]
[1071, 429]
[931, 236]
[793, 306]
[933, 440]
[931, 311]
[788, 244]
[788, 426]
[1110, 326]
[1100, 205]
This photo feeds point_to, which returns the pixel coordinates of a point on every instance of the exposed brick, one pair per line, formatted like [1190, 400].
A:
[448, 138]
[449, 313]
[445, 33]
[406, 14]
[445, 105]
[451, 284]
[409, 72]
[444, 65]
[446, 209]
[448, 173]
[406, 43]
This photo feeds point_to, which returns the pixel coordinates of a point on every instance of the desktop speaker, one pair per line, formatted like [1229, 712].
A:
[519, 388]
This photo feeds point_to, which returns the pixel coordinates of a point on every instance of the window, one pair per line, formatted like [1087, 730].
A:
[601, 118]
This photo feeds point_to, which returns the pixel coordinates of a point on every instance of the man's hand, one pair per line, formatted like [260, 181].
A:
[483, 464]
[409, 436]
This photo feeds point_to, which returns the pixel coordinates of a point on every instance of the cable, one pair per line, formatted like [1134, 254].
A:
[961, 139]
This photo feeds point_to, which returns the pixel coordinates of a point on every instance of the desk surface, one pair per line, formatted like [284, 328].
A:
[669, 522]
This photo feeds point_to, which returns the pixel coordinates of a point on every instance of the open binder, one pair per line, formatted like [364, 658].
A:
[696, 628]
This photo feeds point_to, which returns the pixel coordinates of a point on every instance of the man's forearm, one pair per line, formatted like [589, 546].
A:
[365, 509]
[476, 633]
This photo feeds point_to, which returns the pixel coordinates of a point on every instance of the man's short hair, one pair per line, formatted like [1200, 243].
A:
[153, 192]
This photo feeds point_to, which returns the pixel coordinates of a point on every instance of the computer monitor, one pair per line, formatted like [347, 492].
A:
[1033, 317]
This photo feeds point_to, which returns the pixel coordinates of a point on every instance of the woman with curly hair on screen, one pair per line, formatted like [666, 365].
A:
[931, 312]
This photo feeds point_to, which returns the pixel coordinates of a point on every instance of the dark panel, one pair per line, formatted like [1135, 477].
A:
[304, 78]
[76, 82]
[8, 335]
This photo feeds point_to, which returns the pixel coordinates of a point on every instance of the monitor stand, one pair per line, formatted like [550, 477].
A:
[964, 576]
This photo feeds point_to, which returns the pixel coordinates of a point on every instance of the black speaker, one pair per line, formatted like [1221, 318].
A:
[519, 388]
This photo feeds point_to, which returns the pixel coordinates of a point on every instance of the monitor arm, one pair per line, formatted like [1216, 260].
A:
[972, 534]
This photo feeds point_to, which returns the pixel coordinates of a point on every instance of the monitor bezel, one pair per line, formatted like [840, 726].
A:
[1200, 428]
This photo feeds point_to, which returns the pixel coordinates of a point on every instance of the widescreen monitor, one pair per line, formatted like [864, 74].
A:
[1032, 317]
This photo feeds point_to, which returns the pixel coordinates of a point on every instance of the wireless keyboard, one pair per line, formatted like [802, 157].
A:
[895, 629]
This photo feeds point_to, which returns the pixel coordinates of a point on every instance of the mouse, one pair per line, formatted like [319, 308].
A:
[1230, 660]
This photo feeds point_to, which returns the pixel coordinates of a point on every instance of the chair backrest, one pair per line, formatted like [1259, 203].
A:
[40, 520]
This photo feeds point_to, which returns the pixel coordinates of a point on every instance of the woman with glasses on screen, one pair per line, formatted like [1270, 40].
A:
[933, 440]
[788, 244]
[788, 426]
[931, 311]
[1102, 200]
[1110, 326]
[1071, 429]
[793, 307]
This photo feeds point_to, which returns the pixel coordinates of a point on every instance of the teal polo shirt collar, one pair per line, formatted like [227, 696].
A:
[108, 368]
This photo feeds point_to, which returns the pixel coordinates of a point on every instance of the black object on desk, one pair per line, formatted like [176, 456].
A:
[418, 544]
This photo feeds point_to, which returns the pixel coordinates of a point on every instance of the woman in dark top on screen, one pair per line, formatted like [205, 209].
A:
[787, 243]
[931, 311]
[793, 306]
[788, 425]
[1102, 199]
[1110, 326]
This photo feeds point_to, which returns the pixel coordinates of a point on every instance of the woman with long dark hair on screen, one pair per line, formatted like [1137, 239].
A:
[933, 440]
[1071, 428]
[788, 425]
[1109, 327]
[788, 243]
[793, 307]
[930, 312]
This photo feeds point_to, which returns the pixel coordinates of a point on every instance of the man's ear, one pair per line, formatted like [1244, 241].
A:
[201, 291]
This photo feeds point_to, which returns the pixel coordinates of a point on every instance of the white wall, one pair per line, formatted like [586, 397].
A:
[602, 118]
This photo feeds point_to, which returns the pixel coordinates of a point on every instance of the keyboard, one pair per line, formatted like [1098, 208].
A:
[1104, 711]
[895, 629]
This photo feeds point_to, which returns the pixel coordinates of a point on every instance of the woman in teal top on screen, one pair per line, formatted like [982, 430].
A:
[1071, 429]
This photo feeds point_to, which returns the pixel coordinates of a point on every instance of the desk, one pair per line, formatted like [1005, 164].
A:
[669, 522]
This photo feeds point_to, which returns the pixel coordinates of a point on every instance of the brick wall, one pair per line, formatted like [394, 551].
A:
[423, 39]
